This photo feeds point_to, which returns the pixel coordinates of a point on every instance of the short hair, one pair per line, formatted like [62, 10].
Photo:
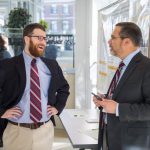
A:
[132, 31]
[30, 27]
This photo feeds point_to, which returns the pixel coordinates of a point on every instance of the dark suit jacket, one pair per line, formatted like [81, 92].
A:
[131, 130]
[13, 82]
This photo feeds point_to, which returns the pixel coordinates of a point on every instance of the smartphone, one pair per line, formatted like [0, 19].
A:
[97, 97]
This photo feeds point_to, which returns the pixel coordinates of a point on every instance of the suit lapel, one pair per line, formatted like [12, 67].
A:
[132, 65]
[51, 67]
[20, 67]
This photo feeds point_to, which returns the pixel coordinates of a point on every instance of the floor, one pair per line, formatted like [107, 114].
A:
[61, 141]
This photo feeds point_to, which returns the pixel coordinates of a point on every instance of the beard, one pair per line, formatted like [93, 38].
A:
[112, 51]
[33, 49]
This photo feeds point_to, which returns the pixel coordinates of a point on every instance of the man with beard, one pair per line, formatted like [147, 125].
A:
[126, 123]
[32, 90]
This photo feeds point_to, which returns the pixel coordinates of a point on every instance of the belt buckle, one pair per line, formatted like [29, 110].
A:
[35, 125]
[32, 126]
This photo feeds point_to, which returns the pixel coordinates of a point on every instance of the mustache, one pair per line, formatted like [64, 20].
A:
[42, 45]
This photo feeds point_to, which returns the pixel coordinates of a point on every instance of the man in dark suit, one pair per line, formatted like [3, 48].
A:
[32, 90]
[127, 106]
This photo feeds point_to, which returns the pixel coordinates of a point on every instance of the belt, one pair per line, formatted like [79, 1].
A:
[28, 125]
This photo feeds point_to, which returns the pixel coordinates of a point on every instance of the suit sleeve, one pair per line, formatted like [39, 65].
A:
[62, 92]
[2, 79]
[140, 110]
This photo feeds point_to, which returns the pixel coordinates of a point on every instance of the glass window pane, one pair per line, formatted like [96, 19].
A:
[65, 9]
[53, 9]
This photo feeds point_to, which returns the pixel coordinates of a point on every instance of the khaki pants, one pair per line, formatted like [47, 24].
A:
[20, 138]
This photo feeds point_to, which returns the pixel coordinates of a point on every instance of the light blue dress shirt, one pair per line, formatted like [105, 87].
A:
[45, 78]
[126, 61]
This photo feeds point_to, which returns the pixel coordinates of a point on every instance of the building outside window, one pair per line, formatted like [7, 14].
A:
[61, 11]
[60, 16]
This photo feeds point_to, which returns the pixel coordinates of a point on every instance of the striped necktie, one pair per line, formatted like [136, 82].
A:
[115, 80]
[35, 94]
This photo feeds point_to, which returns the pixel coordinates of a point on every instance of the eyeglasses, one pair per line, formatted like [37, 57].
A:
[40, 38]
[113, 37]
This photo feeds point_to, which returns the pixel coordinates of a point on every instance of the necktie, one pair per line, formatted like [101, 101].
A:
[115, 80]
[35, 94]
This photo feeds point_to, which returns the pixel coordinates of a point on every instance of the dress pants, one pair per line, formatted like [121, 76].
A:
[105, 138]
[21, 138]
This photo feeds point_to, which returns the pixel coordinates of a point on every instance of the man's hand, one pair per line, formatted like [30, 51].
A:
[12, 113]
[51, 110]
[96, 101]
[108, 105]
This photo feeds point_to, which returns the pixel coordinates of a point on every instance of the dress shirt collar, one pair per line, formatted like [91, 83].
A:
[28, 58]
[127, 60]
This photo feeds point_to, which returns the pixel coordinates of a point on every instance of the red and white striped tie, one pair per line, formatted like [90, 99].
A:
[35, 94]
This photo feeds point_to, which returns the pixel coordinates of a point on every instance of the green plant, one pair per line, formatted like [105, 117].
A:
[44, 24]
[18, 18]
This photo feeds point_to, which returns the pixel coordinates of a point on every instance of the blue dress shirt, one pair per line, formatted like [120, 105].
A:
[45, 78]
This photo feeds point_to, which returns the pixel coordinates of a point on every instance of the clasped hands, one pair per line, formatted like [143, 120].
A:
[16, 112]
[108, 105]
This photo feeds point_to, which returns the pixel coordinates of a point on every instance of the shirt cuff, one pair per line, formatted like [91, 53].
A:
[117, 110]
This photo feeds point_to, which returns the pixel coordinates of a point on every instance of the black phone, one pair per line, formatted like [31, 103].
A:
[97, 97]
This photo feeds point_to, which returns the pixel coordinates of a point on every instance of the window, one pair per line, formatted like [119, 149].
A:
[65, 9]
[53, 9]
[53, 26]
[65, 25]
[19, 4]
[25, 5]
